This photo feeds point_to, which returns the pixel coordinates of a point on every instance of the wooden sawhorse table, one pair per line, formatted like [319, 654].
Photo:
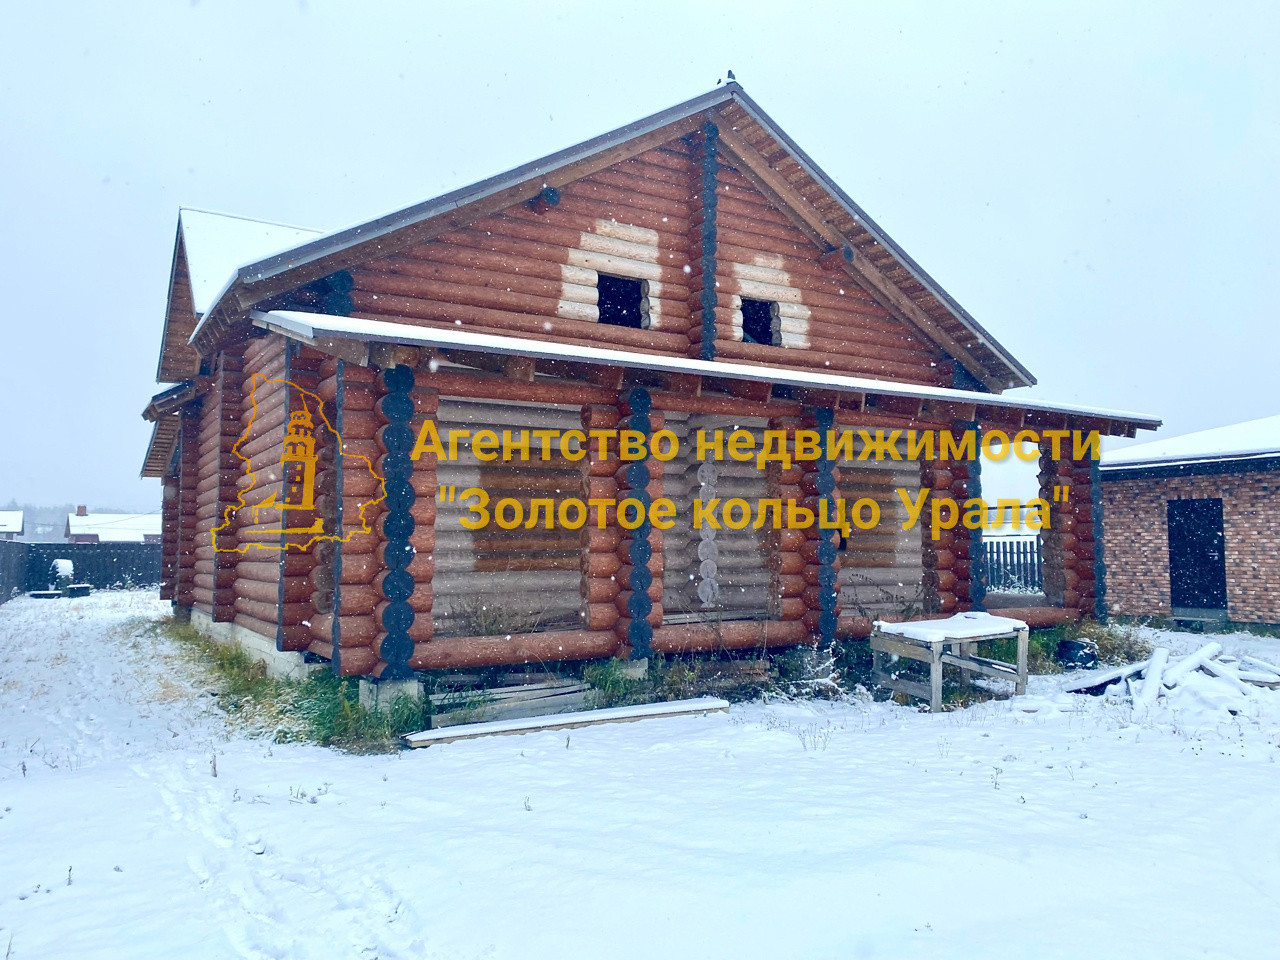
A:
[951, 642]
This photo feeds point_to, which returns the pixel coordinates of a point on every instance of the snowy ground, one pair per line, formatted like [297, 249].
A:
[852, 830]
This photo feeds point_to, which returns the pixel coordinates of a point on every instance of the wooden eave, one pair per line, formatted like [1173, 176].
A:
[164, 439]
[769, 157]
[168, 401]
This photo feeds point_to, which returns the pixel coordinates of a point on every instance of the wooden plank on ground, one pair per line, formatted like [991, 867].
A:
[569, 721]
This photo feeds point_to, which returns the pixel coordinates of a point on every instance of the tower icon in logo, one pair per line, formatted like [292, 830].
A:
[299, 462]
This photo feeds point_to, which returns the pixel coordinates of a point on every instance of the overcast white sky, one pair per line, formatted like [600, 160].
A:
[1098, 184]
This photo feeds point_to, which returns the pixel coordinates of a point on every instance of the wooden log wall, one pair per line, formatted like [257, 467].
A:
[263, 412]
[821, 481]
[708, 572]
[881, 569]
[217, 471]
[598, 559]
[298, 551]
[188, 455]
[343, 625]
[169, 537]
[1068, 546]
[534, 272]
[531, 574]
[323, 576]
[947, 560]
[824, 321]
[671, 217]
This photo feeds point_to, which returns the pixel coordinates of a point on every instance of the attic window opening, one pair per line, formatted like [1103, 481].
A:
[758, 322]
[622, 302]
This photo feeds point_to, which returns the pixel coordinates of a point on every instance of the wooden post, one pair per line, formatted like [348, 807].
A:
[703, 300]
[1020, 686]
[394, 584]
[935, 678]
[640, 572]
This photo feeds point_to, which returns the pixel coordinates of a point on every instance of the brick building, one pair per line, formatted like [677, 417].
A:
[1191, 525]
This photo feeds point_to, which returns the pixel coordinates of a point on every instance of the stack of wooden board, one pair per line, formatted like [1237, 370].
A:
[1145, 682]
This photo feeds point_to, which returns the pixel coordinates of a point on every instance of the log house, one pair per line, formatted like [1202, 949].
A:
[694, 270]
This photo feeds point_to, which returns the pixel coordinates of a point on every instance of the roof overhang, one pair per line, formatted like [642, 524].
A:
[324, 331]
[164, 410]
[927, 306]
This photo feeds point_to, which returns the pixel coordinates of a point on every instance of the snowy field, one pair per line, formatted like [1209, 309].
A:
[1050, 826]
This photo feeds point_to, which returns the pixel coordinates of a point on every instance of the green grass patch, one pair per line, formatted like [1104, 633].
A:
[321, 709]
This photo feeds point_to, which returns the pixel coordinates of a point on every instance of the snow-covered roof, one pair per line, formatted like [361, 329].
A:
[115, 527]
[218, 244]
[11, 521]
[1253, 438]
[308, 326]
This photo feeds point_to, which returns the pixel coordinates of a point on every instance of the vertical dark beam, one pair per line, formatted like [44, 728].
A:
[977, 564]
[710, 165]
[339, 403]
[1099, 563]
[828, 549]
[395, 614]
[639, 548]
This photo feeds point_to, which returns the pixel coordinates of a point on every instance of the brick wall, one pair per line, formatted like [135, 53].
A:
[1136, 541]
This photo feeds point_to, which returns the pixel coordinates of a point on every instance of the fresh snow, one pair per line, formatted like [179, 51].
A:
[1252, 438]
[962, 626]
[218, 244]
[1048, 826]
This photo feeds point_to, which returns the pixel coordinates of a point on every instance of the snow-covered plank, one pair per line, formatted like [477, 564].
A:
[1190, 663]
[566, 721]
[1225, 673]
[1154, 680]
[1261, 665]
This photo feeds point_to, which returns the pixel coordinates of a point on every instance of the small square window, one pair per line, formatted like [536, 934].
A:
[757, 322]
[621, 301]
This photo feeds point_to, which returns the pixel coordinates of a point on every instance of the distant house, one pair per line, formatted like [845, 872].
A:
[85, 527]
[1192, 525]
[10, 524]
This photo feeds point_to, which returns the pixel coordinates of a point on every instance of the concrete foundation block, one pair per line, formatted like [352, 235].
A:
[280, 664]
[378, 696]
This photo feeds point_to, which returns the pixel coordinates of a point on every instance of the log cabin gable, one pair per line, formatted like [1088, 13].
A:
[535, 270]
[614, 206]
[178, 359]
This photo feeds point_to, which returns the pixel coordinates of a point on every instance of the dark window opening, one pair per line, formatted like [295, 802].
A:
[621, 301]
[758, 323]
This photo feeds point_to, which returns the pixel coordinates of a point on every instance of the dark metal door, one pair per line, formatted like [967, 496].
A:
[1197, 555]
